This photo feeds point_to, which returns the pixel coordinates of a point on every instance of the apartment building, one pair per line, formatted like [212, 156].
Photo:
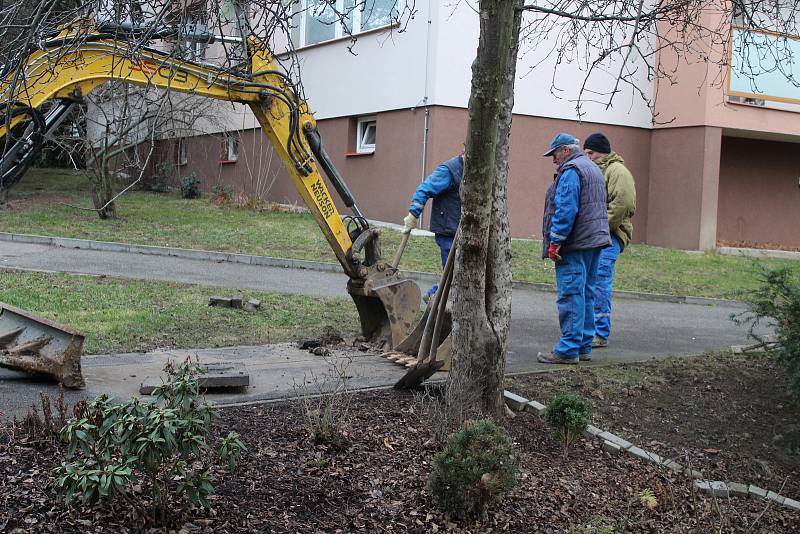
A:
[719, 165]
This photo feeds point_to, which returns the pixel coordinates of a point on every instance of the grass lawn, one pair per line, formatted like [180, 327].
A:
[129, 315]
[167, 220]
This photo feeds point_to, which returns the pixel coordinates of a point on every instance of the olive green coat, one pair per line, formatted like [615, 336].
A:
[621, 193]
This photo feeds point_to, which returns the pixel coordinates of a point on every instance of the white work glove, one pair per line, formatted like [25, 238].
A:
[410, 223]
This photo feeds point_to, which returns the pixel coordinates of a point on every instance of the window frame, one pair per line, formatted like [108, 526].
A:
[362, 125]
[183, 151]
[298, 30]
[231, 141]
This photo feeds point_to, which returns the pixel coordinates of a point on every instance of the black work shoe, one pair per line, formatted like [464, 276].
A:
[554, 357]
[599, 342]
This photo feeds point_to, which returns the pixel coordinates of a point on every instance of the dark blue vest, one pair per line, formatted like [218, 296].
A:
[590, 229]
[446, 209]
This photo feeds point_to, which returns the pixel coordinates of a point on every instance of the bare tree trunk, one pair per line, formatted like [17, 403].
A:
[102, 187]
[482, 284]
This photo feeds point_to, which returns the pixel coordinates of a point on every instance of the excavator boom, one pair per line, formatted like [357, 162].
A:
[68, 67]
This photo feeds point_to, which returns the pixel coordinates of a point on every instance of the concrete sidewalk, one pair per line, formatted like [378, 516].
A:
[642, 329]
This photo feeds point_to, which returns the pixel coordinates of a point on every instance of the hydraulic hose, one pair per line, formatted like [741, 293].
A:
[20, 152]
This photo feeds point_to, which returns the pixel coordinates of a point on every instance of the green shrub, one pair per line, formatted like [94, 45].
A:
[222, 193]
[476, 467]
[569, 416]
[775, 304]
[159, 182]
[190, 186]
[162, 446]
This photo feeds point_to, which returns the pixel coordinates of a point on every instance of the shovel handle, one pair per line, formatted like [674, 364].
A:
[400, 250]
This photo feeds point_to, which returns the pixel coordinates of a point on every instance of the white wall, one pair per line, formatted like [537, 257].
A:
[385, 71]
[456, 48]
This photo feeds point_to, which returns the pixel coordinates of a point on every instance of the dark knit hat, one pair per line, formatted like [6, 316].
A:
[598, 142]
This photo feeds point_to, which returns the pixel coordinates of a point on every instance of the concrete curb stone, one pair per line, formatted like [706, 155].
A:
[538, 407]
[772, 496]
[738, 490]
[791, 503]
[613, 438]
[514, 401]
[716, 488]
[756, 491]
[611, 447]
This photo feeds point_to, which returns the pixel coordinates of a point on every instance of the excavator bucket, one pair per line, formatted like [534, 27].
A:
[36, 345]
[387, 307]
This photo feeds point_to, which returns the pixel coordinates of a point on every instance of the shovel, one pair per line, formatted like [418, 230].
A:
[430, 343]
[400, 250]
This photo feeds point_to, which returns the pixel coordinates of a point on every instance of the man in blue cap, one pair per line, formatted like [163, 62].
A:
[574, 231]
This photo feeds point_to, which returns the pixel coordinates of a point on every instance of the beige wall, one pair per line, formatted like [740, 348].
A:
[759, 197]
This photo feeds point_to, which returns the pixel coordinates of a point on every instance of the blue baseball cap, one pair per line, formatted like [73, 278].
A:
[562, 139]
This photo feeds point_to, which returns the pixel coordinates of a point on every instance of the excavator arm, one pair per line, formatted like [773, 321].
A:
[70, 65]
[67, 71]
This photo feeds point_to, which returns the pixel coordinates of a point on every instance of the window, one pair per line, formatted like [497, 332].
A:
[195, 37]
[183, 151]
[231, 147]
[365, 135]
[316, 21]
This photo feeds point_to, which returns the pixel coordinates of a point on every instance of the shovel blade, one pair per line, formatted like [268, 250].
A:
[423, 370]
[36, 345]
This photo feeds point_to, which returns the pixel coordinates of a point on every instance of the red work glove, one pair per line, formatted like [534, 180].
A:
[552, 251]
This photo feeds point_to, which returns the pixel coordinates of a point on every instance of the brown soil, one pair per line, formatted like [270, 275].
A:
[729, 416]
[287, 483]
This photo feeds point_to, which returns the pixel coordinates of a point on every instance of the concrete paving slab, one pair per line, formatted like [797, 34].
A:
[276, 371]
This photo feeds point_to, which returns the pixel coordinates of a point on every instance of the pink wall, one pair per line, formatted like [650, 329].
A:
[383, 182]
[684, 171]
[759, 197]
[529, 173]
[692, 91]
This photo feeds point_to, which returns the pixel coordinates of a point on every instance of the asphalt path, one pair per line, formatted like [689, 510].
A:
[642, 329]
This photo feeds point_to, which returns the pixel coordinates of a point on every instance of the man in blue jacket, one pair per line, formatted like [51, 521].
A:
[443, 187]
[574, 231]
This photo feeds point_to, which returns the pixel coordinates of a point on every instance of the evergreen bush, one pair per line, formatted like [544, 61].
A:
[775, 306]
[477, 466]
[190, 186]
[569, 416]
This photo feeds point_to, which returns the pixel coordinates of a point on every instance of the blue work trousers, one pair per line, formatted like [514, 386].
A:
[445, 243]
[602, 288]
[575, 281]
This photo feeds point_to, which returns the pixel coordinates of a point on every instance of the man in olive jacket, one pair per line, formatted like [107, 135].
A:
[621, 197]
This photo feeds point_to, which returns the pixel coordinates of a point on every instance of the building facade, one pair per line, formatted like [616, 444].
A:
[719, 165]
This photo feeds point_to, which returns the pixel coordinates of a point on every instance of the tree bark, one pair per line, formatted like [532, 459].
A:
[482, 284]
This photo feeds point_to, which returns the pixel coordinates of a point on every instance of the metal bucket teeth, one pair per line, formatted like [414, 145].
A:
[36, 345]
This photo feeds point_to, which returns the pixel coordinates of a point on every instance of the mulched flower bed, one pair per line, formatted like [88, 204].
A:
[729, 416]
[287, 483]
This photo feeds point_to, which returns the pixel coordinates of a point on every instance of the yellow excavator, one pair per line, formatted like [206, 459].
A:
[68, 65]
